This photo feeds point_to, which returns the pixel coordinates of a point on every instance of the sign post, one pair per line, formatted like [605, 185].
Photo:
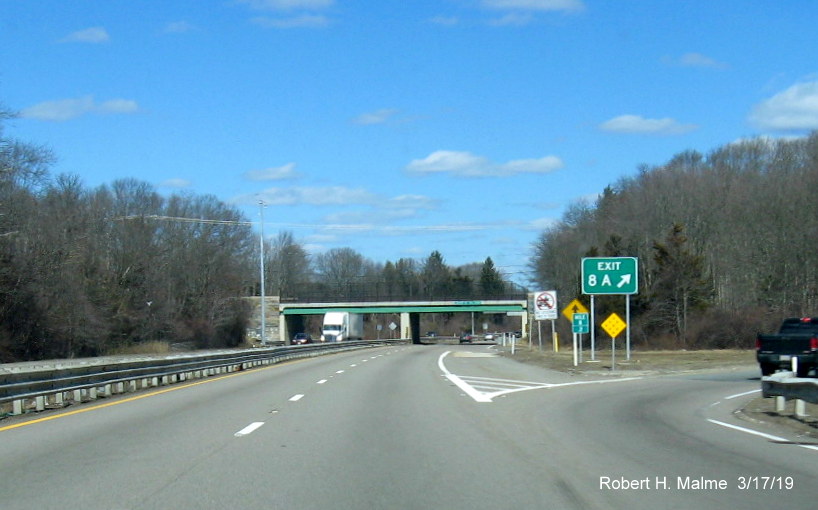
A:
[611, 276]
[545, 308]
[569, 312]
[579, 326]
[613, 325]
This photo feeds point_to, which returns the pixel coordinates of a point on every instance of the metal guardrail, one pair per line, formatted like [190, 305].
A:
[57, 387]
[785, 384]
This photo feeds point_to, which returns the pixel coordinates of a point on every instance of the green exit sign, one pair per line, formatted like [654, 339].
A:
[610, 275]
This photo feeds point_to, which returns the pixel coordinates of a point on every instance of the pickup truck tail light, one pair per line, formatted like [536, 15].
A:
[758, 343]
[813, 343]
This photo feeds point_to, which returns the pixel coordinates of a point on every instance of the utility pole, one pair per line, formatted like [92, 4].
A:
[261, 263]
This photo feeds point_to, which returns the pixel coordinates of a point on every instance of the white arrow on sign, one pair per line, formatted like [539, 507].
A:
[625, 280]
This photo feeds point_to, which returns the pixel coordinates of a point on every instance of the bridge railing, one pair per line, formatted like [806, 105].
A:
[25, 390]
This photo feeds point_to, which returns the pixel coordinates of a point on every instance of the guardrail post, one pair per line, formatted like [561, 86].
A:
[780, 404]
[800, 408]
[17, 407]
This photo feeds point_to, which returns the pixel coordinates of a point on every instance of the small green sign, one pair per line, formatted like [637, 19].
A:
[580, 324]
[610, 275]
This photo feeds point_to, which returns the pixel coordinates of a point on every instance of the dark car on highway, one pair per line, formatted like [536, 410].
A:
[466, 338]
[302, 338]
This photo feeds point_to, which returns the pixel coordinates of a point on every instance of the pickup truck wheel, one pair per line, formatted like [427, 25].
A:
[767, 369]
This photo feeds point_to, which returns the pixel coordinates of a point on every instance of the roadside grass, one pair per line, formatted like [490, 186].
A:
[642, 361]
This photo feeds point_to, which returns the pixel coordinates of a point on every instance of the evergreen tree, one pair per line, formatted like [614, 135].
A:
[491, 281]
[680, 285]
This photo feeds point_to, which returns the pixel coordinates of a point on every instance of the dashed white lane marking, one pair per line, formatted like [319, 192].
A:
[484, 389]
[296, 398]
[339, 372]
[249, 429]
[322, 381]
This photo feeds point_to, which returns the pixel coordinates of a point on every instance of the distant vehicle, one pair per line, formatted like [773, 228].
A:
[302, 338]
[489, 337]
[431, 334]
[466, 338]
[340, 326]
[797, 338]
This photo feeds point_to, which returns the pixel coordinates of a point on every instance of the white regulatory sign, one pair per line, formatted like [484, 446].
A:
[545, 305]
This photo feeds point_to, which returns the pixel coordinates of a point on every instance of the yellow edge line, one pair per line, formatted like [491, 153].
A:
[139, 397]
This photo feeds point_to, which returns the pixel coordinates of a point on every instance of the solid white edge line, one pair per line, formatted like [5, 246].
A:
[476, 395]
[249, 429]
[742, 394]
[760, 434]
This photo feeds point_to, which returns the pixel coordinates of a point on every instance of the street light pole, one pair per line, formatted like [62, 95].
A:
[261, 264]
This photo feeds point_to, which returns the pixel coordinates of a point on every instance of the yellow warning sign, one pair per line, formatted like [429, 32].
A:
[573, 307]
[614, 325]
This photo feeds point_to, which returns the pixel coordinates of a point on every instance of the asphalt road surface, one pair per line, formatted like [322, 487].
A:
[410, 427]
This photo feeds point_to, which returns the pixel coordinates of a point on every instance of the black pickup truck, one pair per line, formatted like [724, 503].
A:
[797, 338]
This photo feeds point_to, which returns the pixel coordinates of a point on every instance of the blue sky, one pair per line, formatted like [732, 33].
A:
[399, 128]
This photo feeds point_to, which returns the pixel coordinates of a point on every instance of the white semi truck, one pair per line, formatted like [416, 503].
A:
[340, 326]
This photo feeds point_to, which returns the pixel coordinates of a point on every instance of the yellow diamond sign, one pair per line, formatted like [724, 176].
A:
[614, 325]
[573, 307]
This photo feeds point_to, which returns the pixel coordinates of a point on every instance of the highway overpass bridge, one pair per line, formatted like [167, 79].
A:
[290, 313]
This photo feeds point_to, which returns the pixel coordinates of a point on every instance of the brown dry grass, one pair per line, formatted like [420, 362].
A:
[642, 361]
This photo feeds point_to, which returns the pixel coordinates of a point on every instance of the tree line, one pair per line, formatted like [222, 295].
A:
[87, 271]
[726, 242]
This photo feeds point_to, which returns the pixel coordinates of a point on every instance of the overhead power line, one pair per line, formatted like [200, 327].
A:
[322, 226]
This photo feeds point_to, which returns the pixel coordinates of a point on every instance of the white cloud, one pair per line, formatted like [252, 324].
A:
[120, 106]
[284, 5]
[377, 117]
[641, 125]
[793, 109]
[178, 27]
[541, 223]
[92, 35]
[175, 183]
[329, 195]
[445, 20]
[411, 201]
[273, 173]
[513, 19]
[302, 21]
[535, 5]
[699, 60]
[67, 109]
[466, 164]
[694, 59]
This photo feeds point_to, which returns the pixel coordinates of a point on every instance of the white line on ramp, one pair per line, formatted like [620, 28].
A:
[495, 387]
